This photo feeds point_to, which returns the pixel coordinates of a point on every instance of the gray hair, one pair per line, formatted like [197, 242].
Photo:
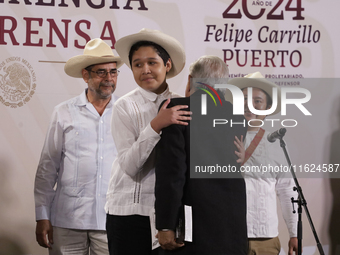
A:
[209, 69]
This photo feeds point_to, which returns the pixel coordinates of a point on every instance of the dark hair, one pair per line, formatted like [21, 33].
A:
[89, 69]
[159, 50]
[269, 99]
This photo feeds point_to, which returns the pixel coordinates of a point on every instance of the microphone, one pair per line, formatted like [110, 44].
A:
[277, 134]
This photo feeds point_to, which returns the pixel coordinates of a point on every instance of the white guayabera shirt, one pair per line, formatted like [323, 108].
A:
[132, 183]
[262, 189]
[77, 155]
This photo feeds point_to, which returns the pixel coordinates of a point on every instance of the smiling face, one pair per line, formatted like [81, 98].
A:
[149, 70]
[100, 87]
[259, 102]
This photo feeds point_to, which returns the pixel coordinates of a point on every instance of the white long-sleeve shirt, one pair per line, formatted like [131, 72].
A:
[77, 155]
[262, 189]
[132, 182]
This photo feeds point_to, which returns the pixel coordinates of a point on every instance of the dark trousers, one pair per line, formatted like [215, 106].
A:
[129, 235]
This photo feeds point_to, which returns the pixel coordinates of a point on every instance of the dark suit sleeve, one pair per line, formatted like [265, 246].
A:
[170, 170]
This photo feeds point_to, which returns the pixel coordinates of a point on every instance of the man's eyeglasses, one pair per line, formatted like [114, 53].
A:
[103, 73]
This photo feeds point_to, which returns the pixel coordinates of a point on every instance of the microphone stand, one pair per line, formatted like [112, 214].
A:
[301, 201]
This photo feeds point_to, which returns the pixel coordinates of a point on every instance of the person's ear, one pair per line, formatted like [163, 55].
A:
[168, 65]
[86, 75]
[187, 89]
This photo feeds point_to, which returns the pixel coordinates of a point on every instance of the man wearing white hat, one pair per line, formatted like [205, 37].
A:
[262, 220]
[77, 158]
[153, 57]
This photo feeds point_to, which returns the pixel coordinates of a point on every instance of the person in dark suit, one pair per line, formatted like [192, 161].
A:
[189, 170]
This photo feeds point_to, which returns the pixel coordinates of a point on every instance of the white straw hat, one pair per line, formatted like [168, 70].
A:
[96, 51]
[256, 80]
[170, 44]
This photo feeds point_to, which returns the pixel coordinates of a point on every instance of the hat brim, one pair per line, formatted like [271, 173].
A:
[170, 44]
[260, 83]
[76, 64]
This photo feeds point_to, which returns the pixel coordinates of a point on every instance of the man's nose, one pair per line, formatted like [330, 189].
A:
[109, 77]
[146, 69]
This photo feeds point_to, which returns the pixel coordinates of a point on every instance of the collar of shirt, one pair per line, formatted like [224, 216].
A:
[153, 96]
[83, 101]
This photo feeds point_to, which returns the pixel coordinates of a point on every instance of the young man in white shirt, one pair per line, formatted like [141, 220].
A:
[136, 125]
[262, 220]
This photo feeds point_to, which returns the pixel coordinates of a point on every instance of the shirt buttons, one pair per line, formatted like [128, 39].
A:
[101, 121]
[101, 157]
